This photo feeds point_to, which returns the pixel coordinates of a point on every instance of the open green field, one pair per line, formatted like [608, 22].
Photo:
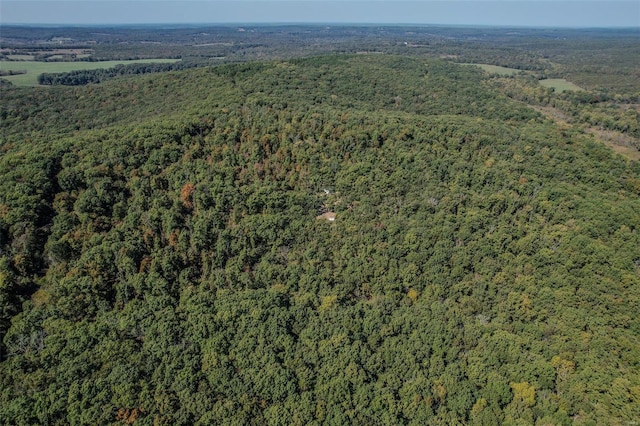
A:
[559, 84]
[495, 69]
[21, 57]
[34, 69]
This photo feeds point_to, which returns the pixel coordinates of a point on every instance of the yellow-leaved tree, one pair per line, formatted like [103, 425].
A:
[519, 409]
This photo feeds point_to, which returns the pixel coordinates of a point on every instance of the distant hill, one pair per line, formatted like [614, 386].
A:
[161, 261]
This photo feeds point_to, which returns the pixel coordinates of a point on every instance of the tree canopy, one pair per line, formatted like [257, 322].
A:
[161, 260]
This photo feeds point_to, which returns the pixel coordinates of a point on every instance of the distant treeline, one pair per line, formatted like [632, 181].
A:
[11, 72]
[83, 77]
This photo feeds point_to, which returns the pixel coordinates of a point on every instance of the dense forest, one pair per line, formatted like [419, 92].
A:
[166, 258]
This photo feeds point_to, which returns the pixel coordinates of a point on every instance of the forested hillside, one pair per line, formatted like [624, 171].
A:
[164, 258]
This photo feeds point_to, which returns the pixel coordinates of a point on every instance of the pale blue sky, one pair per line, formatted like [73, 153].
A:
[549, 13]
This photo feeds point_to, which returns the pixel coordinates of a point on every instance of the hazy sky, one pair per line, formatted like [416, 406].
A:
[571, 13]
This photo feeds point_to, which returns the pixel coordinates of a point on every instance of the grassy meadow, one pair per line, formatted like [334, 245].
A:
[559, 84]
[34, 68]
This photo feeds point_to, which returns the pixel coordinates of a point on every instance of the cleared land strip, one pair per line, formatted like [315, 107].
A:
[557, 84]
[495, 69]
[617, 141]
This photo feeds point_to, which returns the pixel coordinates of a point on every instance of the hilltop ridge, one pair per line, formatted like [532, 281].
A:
[161, 261]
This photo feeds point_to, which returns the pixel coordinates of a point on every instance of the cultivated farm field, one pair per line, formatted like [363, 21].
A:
[34, 68]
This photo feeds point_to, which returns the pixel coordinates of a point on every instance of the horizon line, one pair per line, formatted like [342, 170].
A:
[312, 23]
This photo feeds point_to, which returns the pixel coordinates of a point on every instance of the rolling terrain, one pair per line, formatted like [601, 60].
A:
[164, 258]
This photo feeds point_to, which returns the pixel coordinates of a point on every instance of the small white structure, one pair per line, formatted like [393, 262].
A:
[330, 216]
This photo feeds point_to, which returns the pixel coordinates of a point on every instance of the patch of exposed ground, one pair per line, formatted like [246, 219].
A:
[619, 142]
[553, 113]
[622, 144]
